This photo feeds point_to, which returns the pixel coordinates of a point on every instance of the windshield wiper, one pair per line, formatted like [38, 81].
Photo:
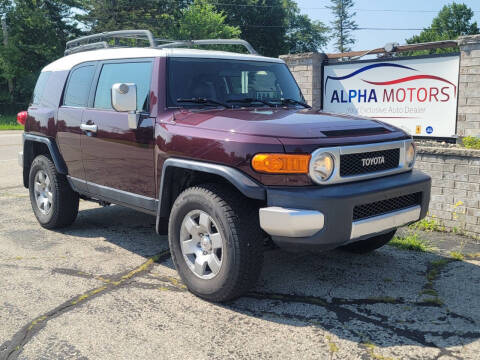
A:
[293, 101]
[202, 101]
[249, 101]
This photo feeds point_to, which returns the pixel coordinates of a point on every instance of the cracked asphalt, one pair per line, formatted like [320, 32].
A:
[105, 288]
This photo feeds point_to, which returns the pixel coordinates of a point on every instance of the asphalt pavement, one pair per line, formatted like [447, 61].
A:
[105, 288]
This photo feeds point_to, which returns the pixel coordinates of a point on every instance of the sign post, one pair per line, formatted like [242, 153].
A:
[416, 94]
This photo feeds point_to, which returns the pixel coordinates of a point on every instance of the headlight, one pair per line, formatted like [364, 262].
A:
[410, 155]
[321, 167]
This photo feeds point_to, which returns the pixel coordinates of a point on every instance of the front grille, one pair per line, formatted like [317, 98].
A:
[385, 206]
[360, 163]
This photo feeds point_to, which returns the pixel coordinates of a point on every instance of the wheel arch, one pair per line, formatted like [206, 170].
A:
[34, 145]
[179, 174]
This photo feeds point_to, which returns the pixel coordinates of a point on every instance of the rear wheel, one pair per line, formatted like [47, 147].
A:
[53, 201]
[215, 241]
[370, 244]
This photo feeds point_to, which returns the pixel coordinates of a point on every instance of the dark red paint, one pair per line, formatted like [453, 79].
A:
[131, 160]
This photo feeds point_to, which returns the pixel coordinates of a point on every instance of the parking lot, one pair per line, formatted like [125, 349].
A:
[105, 288]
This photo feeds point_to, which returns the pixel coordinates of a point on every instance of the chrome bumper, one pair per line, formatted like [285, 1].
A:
[278, 221]
[20, 159]
[384, 222]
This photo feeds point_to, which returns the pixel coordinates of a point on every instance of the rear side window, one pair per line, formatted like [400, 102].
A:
[138, 73]
[78, 87]
[40, 87]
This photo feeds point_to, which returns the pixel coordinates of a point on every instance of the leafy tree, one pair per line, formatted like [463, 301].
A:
[37, 32]
[201, 21]
[263, 22]
[160, 17]
[303, 34]
[274, 27]
[451, 22]
[343, 25]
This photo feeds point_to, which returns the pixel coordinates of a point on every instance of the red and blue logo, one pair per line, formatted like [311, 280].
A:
[391, 94]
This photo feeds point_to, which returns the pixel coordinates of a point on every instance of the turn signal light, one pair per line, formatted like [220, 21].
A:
[281, 163]
[22, 117]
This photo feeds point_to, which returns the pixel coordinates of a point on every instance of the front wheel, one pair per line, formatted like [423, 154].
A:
[370, 244]
[215, 241]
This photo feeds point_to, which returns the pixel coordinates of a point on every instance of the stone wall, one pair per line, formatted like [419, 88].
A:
[307, 71]
[455, 200]
[468, 114]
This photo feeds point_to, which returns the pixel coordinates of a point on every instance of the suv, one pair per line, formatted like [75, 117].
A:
[222, 146]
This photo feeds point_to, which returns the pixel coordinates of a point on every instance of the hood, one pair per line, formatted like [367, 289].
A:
[284, 123]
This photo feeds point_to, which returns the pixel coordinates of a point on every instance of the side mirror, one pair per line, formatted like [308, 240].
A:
[124, 99]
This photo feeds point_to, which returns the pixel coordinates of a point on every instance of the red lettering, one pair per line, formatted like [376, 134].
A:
[433, 94]
[404, 95]
[411, 93]
[388, 96]
[418, 94]
[446, 94]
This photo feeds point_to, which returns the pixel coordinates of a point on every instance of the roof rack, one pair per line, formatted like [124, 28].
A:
[99, 41]
[80, 44]
[188, 43]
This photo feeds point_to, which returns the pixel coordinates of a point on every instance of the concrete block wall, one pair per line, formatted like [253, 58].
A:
[307, 71]
[468, 114]
[455, 199]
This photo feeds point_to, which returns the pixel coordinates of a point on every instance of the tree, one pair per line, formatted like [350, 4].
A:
[343, 25]
[201, 21]
[160, 17]
[303, 34]
[37, 32]
[451, 22]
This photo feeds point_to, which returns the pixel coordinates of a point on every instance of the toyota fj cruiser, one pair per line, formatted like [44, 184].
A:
[220, 144]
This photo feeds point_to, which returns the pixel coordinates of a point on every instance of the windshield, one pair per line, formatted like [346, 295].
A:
[232, 82]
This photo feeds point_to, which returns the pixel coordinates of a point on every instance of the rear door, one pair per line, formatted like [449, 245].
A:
[119, 161]
[70, 114]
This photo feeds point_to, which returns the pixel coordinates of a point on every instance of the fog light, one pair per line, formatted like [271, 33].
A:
[410, 155]
[321, 167]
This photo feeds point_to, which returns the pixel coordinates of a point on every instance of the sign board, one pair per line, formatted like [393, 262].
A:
[418, 95]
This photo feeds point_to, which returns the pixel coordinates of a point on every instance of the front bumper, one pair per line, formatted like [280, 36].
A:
[321, 218]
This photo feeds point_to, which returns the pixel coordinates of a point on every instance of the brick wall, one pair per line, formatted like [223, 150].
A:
[307, 71]
[455, 200]
[468, 115]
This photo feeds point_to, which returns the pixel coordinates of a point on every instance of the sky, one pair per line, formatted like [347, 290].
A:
[407, 14]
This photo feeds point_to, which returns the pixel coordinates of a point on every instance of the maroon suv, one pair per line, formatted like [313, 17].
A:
[222, 146]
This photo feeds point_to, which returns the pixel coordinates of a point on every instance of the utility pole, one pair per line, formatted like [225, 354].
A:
[5, 43]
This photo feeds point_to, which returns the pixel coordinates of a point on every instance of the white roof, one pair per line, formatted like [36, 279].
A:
[67, 62]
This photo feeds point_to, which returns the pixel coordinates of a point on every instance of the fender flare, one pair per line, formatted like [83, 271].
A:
[52, 148]
[246, 185]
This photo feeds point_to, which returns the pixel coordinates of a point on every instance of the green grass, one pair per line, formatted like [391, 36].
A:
[410, 242]
[9, 122]
[471, 142]
[427, 224]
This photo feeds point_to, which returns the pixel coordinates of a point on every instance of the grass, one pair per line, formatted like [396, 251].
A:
[471, 142]
[455, 255]
[410, 242]
[427, 225]
[9, 122]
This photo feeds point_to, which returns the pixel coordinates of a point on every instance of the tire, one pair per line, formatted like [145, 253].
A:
[47, 186]
[370, 244]
[211, 272]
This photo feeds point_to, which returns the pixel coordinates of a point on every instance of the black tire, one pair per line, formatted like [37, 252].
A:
[237, 220]
[370, 244]
[64, 205]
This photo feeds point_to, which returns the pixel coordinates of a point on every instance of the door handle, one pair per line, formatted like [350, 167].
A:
[91, 128]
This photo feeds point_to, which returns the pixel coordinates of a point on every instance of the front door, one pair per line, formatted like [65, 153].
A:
[118, 161]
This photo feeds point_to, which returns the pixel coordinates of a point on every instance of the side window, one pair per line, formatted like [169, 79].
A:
[135, 72]
[78, 87]
[40, 87]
